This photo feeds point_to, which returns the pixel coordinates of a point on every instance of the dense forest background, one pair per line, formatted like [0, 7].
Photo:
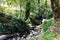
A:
[21, 16]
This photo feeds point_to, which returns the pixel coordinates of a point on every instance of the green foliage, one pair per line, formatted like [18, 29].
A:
[47, 24]
[2, 8]
[49, 15]
[15, 26]
[27, 13]
[18, 24]
[22, 5]
[48, 36]
[33, 19]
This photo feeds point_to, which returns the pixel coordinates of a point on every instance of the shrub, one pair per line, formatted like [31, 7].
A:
[15, 26]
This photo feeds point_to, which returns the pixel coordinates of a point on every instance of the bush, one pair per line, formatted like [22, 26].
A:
[15, 26]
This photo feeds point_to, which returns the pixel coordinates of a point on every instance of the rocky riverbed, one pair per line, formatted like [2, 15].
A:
[34, 35]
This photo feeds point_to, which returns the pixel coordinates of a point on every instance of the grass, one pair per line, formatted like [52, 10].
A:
[47, 24]
[49, 36]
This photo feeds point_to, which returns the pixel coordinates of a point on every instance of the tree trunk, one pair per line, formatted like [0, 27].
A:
[56, 9]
